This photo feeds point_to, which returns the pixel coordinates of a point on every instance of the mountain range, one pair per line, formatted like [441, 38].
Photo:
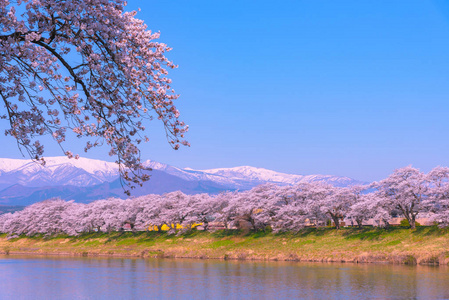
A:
[23, 182]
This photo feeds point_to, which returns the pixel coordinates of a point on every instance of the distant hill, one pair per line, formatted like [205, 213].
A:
[23, 182]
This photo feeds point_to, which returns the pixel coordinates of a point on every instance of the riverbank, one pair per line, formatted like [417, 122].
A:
[424, 245]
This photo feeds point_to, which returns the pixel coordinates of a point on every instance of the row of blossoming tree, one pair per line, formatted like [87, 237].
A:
[406, 193]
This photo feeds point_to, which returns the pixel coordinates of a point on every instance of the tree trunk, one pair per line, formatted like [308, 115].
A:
[336, 221]
[359, 223]
[253, 224]
[412, 222]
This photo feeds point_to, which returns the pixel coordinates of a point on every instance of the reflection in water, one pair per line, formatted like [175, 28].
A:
[96, 278]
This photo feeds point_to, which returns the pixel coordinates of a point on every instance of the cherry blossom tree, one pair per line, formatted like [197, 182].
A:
[103, 215]
[176, 210]
[382, 212]
[89, 217]
[170, 209]
[89, 67]
[316, 193]
[152, 206]
[48, 217]
[252, 207]
[3, 219]
[363, 208]
[292, 214]
[336, 203]
[438, 200]
[204, 210]
[226, 210]
[288, 208]
[404, 190]
[133, 207]
[112, 212]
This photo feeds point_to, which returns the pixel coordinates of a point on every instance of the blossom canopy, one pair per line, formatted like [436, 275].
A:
[89, 67]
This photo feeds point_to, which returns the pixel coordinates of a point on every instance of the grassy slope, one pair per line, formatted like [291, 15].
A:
[395, 245]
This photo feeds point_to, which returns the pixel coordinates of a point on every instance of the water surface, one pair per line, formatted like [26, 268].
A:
[112, 278]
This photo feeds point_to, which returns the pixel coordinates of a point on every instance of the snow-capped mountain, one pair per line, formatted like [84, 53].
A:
[246, 177]
[24, 181]
[252, 174]
[56, 171]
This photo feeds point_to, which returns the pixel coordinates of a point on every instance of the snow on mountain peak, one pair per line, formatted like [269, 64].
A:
[61, 171]
[155, 165]
[253, 173]
[56, 171]
[91, 166]
[9, 164]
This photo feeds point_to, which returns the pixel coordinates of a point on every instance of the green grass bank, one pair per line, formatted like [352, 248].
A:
[424, 245]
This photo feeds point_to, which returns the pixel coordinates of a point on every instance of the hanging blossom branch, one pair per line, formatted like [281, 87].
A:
[117, 83]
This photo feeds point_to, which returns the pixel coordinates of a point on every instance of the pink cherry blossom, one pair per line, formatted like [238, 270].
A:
[85, 60]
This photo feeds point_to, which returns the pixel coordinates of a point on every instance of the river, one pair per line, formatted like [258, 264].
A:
[111, 278]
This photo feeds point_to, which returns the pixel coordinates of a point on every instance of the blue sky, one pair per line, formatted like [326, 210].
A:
[354, 88]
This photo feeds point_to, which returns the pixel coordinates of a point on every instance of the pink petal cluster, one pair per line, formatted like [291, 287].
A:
[405, 193]
[89, 67]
